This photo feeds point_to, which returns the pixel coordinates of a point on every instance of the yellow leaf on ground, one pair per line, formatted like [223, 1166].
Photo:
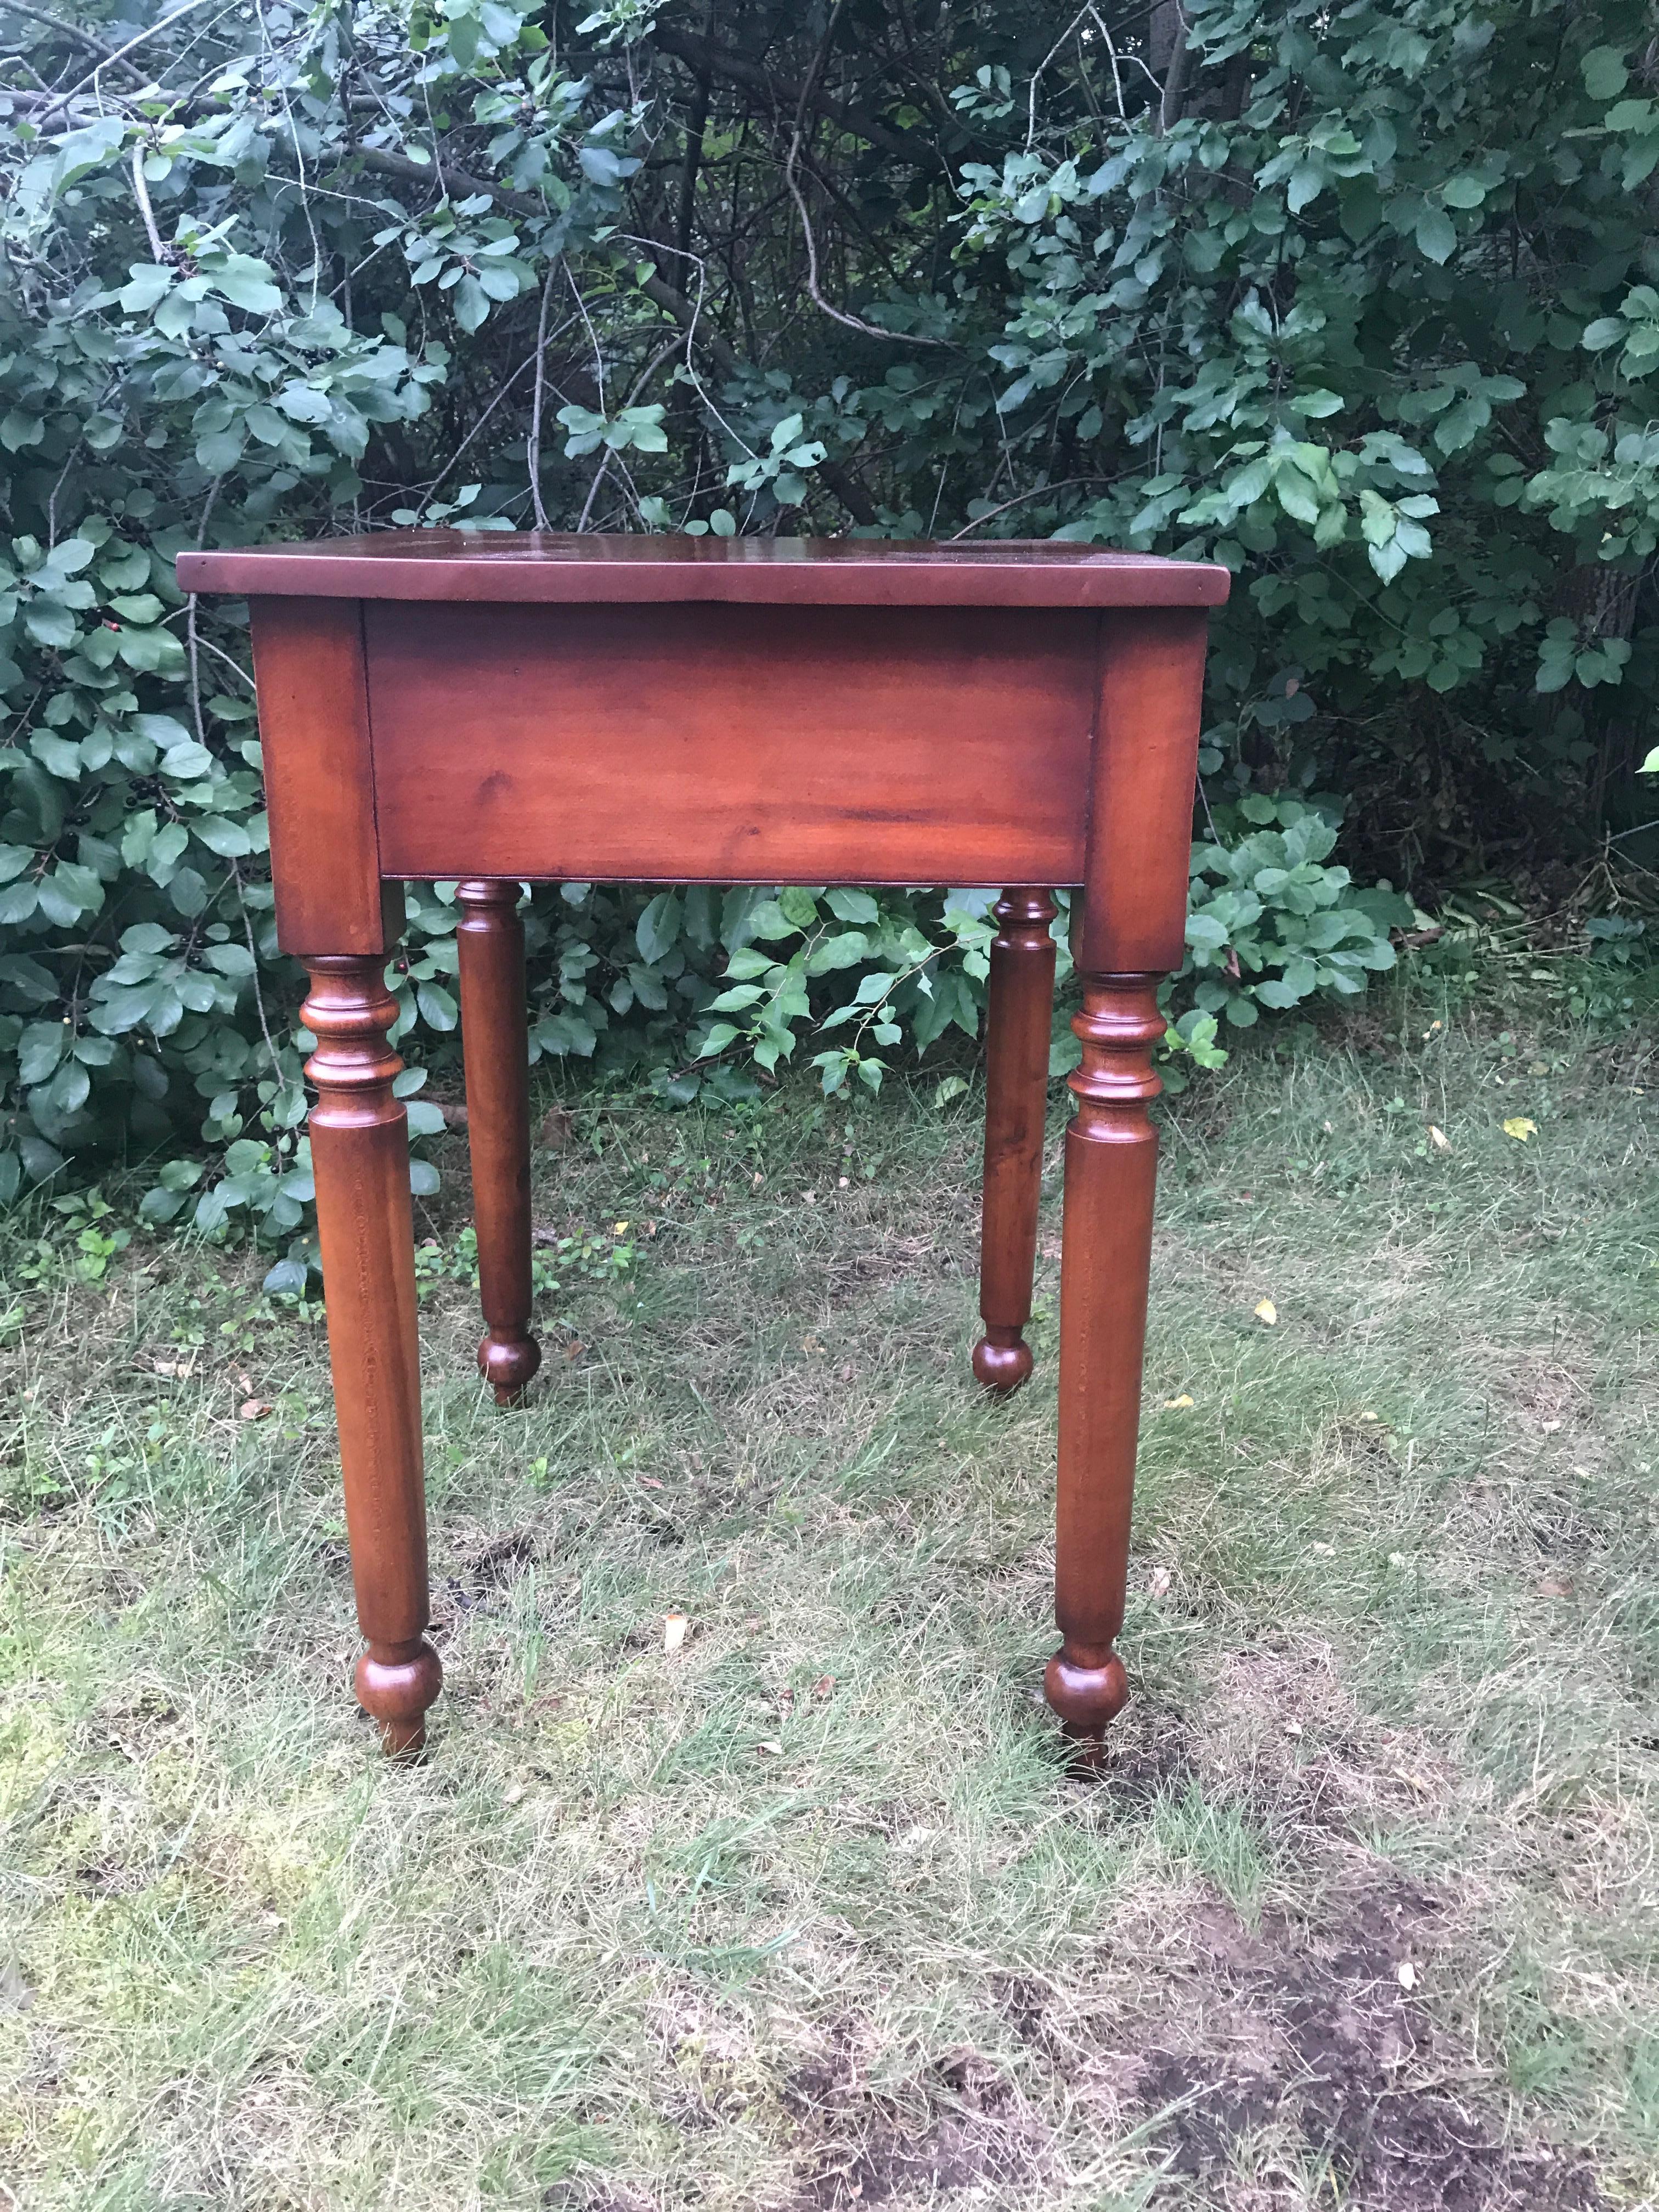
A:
[1178, 1405]
[1267, 1312]
[1520, 1129]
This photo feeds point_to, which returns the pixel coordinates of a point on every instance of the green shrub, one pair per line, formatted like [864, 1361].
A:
[1361, 303]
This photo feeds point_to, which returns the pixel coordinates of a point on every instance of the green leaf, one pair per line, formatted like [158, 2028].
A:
[599, 164]
[1604, 72]
[1435, 235]
[142, 607]
[1297, 495]
[223, 834]
[470, 303]
[844, 950]
[39, 1050]
[186, 762]
[62, 755]
[852, 906]
[743, 967]
[149, 283]
[76, 890]
[657, 929]
[1307, 182]
[247, 283]
[49, 624]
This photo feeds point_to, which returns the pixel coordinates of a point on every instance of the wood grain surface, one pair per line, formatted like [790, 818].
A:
[319, 776]
[1019, 1017]
[494, 1044]
[725, 745]
[548, 567]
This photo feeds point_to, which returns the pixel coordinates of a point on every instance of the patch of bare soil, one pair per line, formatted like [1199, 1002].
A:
[1151, 1748]
[958, 2125]
[591, 2196]
[485, 1573]
[1349, 2080]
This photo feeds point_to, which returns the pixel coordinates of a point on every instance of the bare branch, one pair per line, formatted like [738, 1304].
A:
[703, 58]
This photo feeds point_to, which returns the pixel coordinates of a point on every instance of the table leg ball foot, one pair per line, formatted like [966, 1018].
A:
[1086, 1694]
[507, 1364]
[395, 1685]
[1002, 1361]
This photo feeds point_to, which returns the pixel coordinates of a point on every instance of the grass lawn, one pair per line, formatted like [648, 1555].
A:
[811, 1911]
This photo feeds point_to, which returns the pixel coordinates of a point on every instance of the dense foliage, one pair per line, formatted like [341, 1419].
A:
[1362, 301]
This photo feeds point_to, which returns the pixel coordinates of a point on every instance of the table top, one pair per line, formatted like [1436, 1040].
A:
[485, 566]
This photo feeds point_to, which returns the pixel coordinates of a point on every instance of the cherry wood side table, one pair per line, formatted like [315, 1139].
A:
[495, 708]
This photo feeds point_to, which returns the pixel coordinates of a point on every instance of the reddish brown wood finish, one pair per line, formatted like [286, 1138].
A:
[726, 744]
[1111, 1158]
[493, 1040]
[545, 568]
[320, 776]
[360, 1155]
[1018, 1018]
[1140, 813]
[745, 710]
[1132, 928]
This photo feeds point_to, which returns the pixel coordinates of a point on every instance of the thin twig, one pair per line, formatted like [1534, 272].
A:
[158, 252]
[533, 442]
[1030, 105]
[192, 641]
[1172, 93]
[139, 39]
[70, 30]
[592, 335]
[792, 161]
[1041, 491]
[610, 454]
[837, 314]
[259, 995]
[234, 667]
[1111, 55]
[594, 489]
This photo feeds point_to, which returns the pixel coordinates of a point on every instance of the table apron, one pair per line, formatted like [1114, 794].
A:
[724, 745]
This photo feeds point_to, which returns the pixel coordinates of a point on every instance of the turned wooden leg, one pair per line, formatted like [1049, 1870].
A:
[494, 1043]
[1017, 1029]
[1111, 1150]
[359, 1155]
